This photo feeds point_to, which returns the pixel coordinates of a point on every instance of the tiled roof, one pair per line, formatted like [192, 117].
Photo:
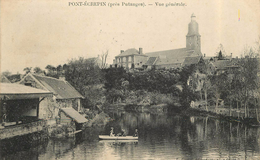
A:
[72, 113]
[129, 52]
[18, 91]
[61, 88]
[222, 64]
[174, 56]
[93, 60]
[150, 61]
[191, 60]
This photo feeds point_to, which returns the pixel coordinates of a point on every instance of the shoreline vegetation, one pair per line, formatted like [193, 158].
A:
[235, 86]
[200, 88]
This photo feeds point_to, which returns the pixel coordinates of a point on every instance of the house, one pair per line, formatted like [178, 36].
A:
[222, 66]
[64, 95]
[19, 109]
[130, 58]
[174, 58]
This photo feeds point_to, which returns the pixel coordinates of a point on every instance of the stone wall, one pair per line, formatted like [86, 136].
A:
[22, 129]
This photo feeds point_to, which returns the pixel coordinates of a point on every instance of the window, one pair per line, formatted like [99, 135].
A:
[129, 59]
[129, 65]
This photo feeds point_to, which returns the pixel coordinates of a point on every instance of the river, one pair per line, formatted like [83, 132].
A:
[161, 136]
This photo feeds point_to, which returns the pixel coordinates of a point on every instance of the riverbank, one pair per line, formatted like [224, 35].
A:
[201, 112]
[140, 107]
[161, 136]
[100, 119]
[177, 108]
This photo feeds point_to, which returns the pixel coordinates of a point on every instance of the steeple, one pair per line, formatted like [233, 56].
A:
[193, 36]
[193, 26]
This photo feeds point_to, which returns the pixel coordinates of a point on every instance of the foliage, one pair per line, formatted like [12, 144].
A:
[114, 95]
[158, 98]
[163, 81]
[237, 85]
[114, 77]
[27, 69]
[185, 73]
[150, 87]
[55, 72]
[220, 53]
[187, 95]
[6, 73]
[86, 76]
[94, 95]
[38, 70]
[81, 73]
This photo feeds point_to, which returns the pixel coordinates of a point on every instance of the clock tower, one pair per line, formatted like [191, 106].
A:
[193, 36]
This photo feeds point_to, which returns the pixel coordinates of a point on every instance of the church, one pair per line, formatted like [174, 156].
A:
[175, 58]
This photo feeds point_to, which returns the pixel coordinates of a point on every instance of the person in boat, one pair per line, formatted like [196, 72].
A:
[136, 133]
[122, 133]
[112, 132]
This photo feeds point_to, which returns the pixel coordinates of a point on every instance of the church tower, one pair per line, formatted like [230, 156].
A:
[193, 36]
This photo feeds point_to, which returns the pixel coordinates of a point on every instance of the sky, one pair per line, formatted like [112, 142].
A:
[42, 32]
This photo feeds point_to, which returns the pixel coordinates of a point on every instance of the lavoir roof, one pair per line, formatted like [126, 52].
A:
[10, 91]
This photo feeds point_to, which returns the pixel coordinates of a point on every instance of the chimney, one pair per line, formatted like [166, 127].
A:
[204, 55]
[140, 50]
[231, 55]
[121, 51]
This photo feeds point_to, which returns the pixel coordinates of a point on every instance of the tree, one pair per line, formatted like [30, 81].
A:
[104, 59]
[51, 71]
[220, 56]
[6, 73]
[249, 78]
[114, 77]
[38, 70]
[81, 73]
[27, 69]
[187, 95]
[220, 53]
[59, 70]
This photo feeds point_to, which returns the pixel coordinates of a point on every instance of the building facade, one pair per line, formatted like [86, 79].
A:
[64, 95]
[130, 58]
[19, 110]
[174, 58]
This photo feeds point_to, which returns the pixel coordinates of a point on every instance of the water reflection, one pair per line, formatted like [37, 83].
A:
[161, 136]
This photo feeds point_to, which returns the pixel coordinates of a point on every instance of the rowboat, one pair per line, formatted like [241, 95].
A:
[119, 141]
[106, 137]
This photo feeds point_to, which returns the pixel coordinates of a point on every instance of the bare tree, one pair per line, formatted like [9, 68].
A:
[104, 59]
